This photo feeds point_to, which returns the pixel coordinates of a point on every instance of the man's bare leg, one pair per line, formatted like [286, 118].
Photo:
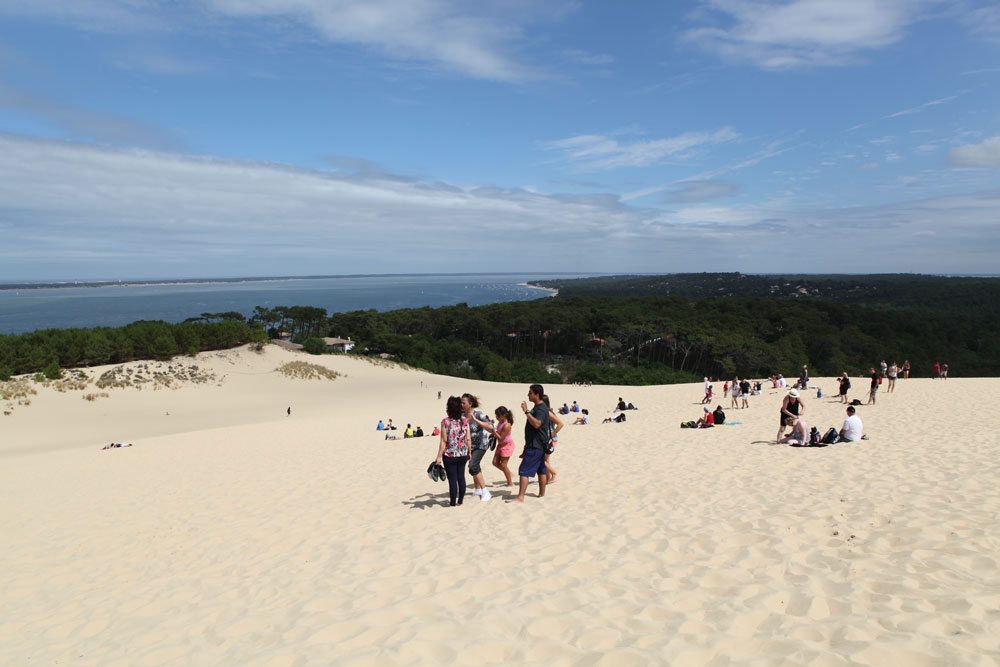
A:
[522, 489]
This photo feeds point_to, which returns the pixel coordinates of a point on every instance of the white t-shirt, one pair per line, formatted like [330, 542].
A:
[853, 428]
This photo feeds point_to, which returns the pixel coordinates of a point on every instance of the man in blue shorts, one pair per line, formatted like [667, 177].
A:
[535, 428]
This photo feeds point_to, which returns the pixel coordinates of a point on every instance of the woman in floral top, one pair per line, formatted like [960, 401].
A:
[453, 451]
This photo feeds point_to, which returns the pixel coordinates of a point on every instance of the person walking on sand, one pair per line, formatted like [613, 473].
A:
[745, 392]
[906, 369]
[708, 391]
[453, 450]
[936, 370]
[505, 442]
[892, 375]
[533, 456]
[873, 389]
[556, 425]
[791, 406]
[480, 428]
[734, 391]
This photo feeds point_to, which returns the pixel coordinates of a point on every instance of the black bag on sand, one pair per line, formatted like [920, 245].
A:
[831, 437]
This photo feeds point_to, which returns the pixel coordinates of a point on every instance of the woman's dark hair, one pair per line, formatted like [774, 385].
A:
[505, 413]
[473, 401]
[545, 400]
[454, 407]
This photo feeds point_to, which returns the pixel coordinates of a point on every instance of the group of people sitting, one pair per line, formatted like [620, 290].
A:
[565, 409]
[801, 435]
[711, 418]
[408, 432]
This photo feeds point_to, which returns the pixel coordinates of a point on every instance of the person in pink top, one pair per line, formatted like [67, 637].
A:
[505, 442]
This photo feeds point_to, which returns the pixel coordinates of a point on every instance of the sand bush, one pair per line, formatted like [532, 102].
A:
[303, 370]
[16, 389]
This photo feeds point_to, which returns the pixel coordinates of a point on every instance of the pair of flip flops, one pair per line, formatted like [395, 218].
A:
[436, 472]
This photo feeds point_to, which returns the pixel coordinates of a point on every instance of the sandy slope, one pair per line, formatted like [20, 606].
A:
[234, 534]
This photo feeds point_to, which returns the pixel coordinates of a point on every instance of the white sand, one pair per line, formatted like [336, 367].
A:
[233, 534]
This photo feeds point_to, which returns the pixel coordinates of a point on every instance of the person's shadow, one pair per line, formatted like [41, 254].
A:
[427, 500]
[767, 442]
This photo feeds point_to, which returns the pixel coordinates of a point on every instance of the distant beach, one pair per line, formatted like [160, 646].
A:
[30, 306]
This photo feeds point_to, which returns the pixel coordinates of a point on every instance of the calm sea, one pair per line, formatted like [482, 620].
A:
[63, 307]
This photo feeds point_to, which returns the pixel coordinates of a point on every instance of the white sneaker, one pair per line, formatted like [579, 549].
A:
[477, 492]
[485, 495]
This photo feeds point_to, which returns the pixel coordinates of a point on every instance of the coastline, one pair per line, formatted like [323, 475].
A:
[551, 291]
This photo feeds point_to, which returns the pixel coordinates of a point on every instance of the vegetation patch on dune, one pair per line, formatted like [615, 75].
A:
[385, 363]
[75, 380]
[157, 375]
[303, 370]
[18, 388]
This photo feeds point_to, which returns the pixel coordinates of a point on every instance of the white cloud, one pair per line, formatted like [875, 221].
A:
[782, 34]
[922, 107]
[471, 39]
[84, 123]
[868, 166]
[985, 154]
[985, 22]
[598, 152]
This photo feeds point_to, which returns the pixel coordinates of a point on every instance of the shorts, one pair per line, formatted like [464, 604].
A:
[533, 462]
[476, 460]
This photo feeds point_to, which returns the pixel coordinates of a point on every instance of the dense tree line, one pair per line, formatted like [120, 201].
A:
[666, 339]
[68, 348]
[605, 338]
[886, 290]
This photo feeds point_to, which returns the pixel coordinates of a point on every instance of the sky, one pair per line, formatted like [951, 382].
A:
[221, 138]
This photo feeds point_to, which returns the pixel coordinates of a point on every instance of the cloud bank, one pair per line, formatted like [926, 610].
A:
[78, 211]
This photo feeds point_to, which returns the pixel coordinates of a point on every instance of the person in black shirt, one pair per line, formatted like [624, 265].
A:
[874, 387]
[536, 428]
[845, 386]
[719, 416]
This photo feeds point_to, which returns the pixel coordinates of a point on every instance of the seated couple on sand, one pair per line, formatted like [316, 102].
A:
[565, 409]
[623, 406]
[711, 418]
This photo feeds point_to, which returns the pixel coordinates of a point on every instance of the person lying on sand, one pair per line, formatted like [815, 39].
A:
[115, 445]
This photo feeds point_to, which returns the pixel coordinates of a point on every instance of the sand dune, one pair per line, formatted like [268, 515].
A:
[234, 534]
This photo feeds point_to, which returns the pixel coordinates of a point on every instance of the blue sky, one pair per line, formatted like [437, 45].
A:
[199, 138]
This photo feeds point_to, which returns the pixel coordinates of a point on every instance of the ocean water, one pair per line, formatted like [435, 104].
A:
[24, 310]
